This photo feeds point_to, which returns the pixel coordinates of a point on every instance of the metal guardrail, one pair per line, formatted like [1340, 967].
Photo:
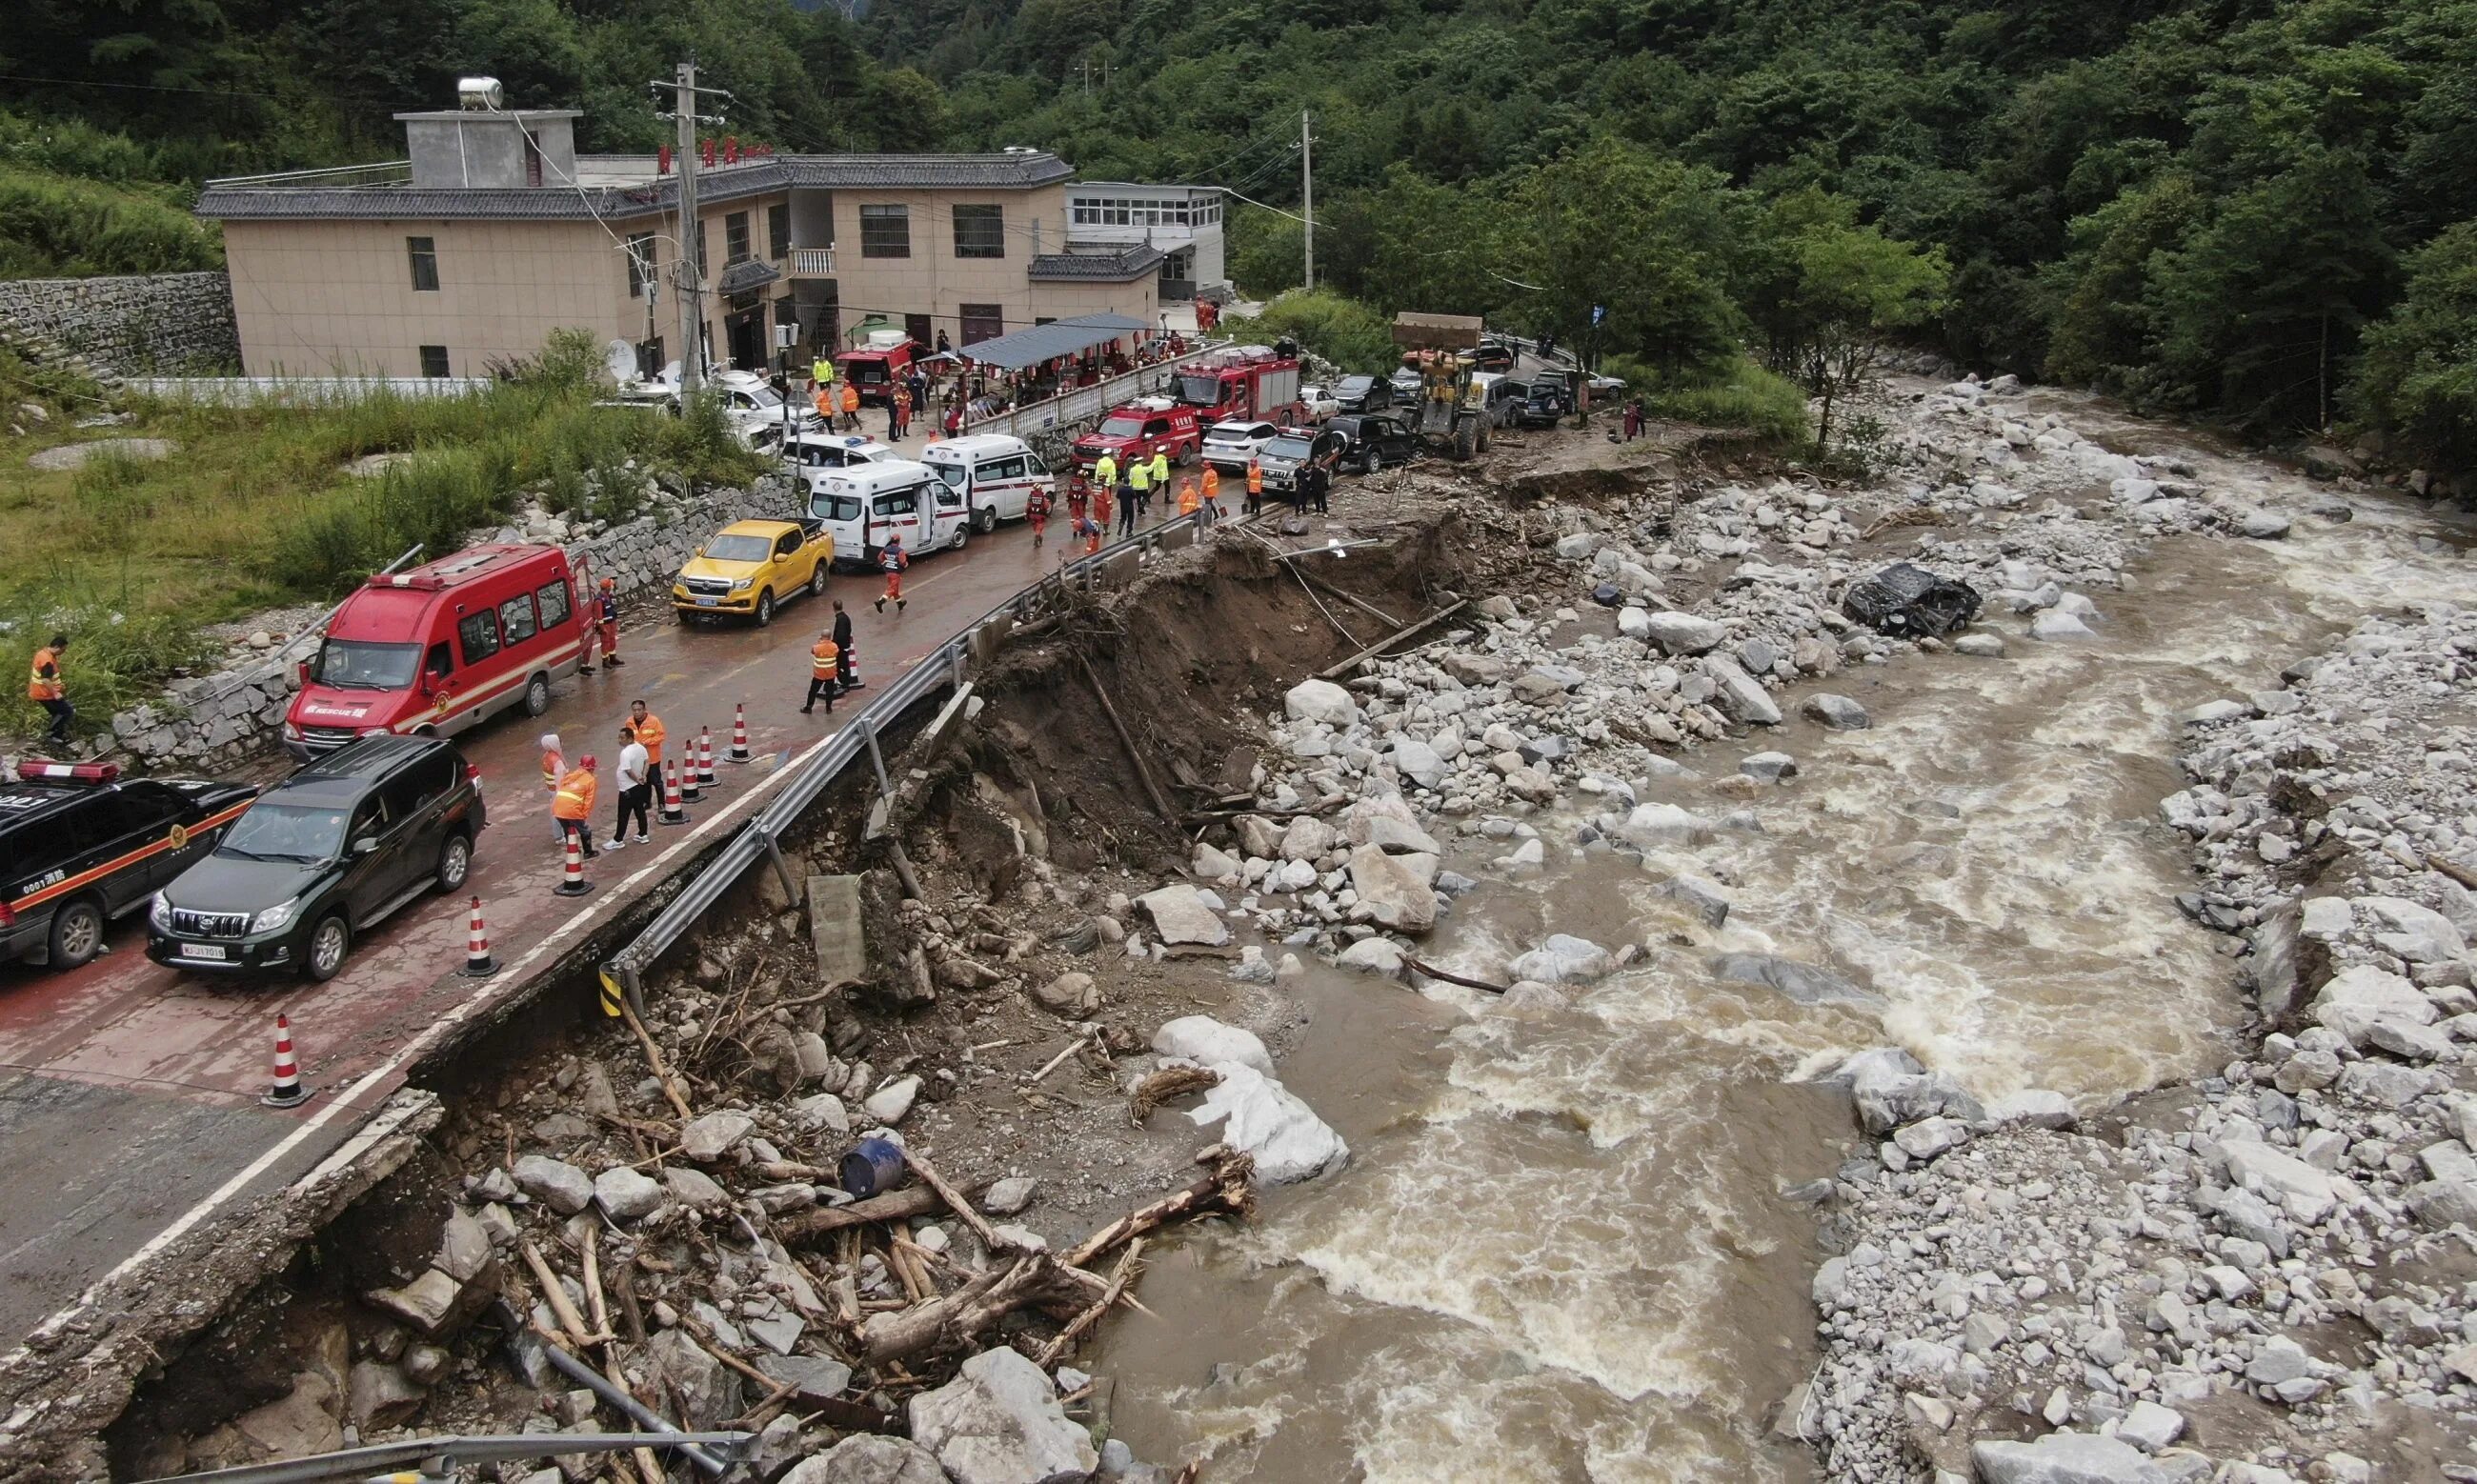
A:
[311, 390]
[942, 669]
[383, 172]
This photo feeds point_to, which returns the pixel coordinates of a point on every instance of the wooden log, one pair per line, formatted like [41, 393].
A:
[956, 1202]
[1336, 672]
[1057, 1350]
[894, 1205]
[1143, 770]
[1230, 1187]
[579, 1333]
[1464, 980]
[654, 1060]
[2453, 869]
[952, 1322]
[903, 869]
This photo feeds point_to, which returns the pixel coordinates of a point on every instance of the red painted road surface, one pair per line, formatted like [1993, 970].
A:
[127, 1091]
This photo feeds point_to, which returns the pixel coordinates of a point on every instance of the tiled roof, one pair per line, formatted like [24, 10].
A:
[729, 183]
[1096, 267]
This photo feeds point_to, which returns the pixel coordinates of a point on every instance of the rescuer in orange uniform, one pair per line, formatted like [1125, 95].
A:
[46, 687]
[824, 656]
[650, 732]
[1255, 487]
[574, 806]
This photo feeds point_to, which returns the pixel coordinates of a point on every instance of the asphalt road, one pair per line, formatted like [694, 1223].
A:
[127, 1091]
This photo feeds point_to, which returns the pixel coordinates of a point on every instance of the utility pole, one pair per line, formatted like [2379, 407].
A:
[691, 237]
[1307, 194]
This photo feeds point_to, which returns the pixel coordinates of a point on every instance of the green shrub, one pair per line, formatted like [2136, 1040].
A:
[1745, 396]
[55, 227]
[1342, 330]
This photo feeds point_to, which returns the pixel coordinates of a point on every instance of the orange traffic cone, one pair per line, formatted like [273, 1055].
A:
[688, 775]
[739, 732]
[572, 882]
[478, 962]
[705, 757]
[287, 1092]
[672, 811]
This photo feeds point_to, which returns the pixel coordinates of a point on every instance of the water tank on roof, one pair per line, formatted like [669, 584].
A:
[480, 94]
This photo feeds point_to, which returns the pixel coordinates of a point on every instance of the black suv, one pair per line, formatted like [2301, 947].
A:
[327, 854]
[1363, 393]
[79, 846]
[1543, 403]
[1373, 440]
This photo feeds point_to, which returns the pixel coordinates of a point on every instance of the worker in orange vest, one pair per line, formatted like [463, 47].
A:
[1212, 490]
[1188, 501]
[851, 407]
[650, 732]
[824, 399]
[572, 805]
[894, 559]
[46, 687]
[606, 623]
[825, 656]
[1255, 487]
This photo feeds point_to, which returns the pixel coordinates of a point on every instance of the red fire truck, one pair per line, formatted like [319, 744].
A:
[1141, 427]
[1252, 383]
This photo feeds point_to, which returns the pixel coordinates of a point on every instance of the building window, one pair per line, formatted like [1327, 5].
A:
[982, 321]
[1088, 211]
[980, 232]
[641, 265]
[884, 231]
[424, 253]
[778, 231]
[434, 361]
[735, 236]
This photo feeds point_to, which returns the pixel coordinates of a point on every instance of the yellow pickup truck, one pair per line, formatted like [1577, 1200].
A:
[750, 568]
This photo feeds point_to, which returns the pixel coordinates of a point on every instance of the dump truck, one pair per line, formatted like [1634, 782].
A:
[1442, 349]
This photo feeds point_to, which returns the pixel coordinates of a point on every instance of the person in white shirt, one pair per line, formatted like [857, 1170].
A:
[636, 788]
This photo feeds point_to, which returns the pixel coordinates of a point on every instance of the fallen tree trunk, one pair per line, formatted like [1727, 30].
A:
[1230, 1187]
[894, 1205]
[950, 1322]
[1434, 973]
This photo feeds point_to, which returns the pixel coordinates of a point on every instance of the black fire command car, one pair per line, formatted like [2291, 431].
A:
[80, 846]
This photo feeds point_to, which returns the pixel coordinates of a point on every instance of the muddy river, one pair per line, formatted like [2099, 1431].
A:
[1562, 1250]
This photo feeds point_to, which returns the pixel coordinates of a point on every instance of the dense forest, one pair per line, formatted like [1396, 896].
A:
[2262, 211]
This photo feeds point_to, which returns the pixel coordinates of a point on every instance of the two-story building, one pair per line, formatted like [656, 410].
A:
[494, 232]
[1184, 222]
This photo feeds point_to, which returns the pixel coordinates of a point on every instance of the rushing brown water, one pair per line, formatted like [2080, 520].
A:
[1560, 1250]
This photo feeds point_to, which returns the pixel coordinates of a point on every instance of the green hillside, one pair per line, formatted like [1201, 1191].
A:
[2231, 209]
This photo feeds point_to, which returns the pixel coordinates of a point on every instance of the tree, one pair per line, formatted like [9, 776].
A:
[1832, 292]
[2259, 312]
[2419, 376]
[1614, 233]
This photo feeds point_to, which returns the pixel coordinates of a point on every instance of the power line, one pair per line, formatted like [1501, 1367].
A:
[75, 81]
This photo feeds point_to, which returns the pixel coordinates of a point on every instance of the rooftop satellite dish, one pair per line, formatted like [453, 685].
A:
[619, 359]
[670, 376]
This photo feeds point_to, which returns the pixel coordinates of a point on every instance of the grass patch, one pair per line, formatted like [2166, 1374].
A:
[54, 226]
[257, 506]
[1744, 396]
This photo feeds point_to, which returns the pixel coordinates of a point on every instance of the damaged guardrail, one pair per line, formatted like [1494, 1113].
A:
[943, 668]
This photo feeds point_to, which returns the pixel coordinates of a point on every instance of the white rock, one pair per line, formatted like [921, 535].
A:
[1684, 633]
[1289, 1141]
[1418, 762]
[1389, 893]
[2355, 998]
[888, 1104]
[710, 1137]
[627, 1195]
[2417, 933]
[2282, 1174]
[555, 1183]
[2065, 1458]
[999, 1421]
[1564, 959]
[2150, 1427]
[1373, 955]
[1204, 1040]
[2055, 624]
[1322, 700]
[1180, 915]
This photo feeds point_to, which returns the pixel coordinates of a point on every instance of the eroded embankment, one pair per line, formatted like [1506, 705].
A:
[1020, 829]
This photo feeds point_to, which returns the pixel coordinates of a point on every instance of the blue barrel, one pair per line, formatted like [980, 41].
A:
[872, 1169]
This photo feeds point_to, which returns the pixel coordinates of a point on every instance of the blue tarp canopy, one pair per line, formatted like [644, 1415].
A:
[1047, 342]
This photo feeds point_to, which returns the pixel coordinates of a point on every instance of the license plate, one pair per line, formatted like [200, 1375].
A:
[200, 951]
[708, 603]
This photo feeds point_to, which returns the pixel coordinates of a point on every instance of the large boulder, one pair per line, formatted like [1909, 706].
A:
[2415, 933]
[1180, 915]
[1418, 762]
[1289, 1141]
[999, 1421]
[1322, 700]
[2356, 999]
[1804, 983]
[1563, 960]
[555, 1183]
[1202, 1039]
[1742, 697]
[1837, 712]
[1390, 893]
[866, 1458]
[627, 1195]
[1890, 1088]
[2065, 1458]
[1684, 633]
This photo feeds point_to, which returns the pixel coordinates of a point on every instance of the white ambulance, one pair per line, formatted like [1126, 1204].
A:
[996, 474]
[865, 504]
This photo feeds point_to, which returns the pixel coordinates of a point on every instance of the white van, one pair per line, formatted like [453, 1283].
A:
[995, 473]
[865, 503]
[1497, 394]
[814, 453]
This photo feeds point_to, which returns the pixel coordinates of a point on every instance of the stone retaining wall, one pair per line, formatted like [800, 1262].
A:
[123, 326]
[217, 721]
